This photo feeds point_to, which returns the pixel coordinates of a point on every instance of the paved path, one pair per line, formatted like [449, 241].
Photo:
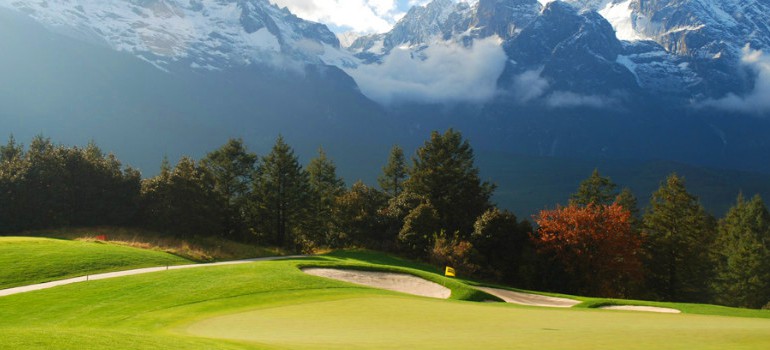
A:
[101, 276]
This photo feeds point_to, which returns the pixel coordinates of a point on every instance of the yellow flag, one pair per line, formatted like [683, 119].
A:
[449, 272]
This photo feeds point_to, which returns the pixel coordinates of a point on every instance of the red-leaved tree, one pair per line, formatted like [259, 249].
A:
[596, 246]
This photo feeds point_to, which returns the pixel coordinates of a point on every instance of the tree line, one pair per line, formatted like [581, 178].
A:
[675, 251]
[433, 207]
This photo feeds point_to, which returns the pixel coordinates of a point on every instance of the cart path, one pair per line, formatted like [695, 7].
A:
[101, 276]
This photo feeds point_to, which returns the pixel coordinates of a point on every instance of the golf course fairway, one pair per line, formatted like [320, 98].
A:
[274, 305]
[29, 260]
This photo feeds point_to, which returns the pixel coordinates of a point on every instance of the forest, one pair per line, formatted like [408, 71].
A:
[432, 207]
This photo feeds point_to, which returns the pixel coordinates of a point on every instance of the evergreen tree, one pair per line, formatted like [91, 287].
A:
[182, 201]
[232, 167]
[504, 246]
[12, 175]
[326, 186]
[54, 186]
[280, 197]
[444, 174]
[627, 200]
[11, 151]
[394, 173]
[43, 194]
[359, 218]
[421, 226]
[596, 189]
[742, 255]
[98, 189]
[678, 234]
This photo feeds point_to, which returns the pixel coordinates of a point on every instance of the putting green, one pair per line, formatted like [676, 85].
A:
[402, 322]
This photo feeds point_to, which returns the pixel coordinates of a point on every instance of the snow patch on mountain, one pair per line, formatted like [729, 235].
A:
[365, 16]
[208, 34]
[625, 61]
[443, 72]
[621, 17]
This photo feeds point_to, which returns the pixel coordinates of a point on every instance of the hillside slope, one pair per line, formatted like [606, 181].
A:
[27, 260]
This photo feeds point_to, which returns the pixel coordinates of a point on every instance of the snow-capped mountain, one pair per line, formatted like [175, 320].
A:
[707, 37]
[203, 34]
[665, 79]
[688, 49]
[574, 52]
[448, 20]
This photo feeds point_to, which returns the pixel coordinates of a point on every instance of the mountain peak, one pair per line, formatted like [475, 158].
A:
[207, 34]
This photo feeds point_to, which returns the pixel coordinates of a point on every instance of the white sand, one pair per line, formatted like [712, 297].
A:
[510, 296]
[641, 308]
[385, 280]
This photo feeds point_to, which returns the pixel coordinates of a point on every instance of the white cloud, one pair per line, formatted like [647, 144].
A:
[529, 86]
[362, 16]
[567, 99]
[444, 72]
[758, 100]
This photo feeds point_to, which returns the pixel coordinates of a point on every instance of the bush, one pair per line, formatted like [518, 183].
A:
[458, 254]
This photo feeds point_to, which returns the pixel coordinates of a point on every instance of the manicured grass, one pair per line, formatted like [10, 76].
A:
[379, 322]
[272, 305]
[26, 260]
[689, 308]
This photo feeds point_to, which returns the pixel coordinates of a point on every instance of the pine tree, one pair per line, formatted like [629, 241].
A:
[742, 255]
[505, 246]
[182, 201]
[678, 234]
[326, 186]
[280, 197]
[444, 174]
[11, 151]
[359, 219]
[421, 226]
[43, 193]
[12, 175]
[232, 167]
[596, 189]
[627, 200]
[394, 173]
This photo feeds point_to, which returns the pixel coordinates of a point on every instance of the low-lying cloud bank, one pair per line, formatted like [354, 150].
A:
[568, 99]
[758, 100]
[442, 73]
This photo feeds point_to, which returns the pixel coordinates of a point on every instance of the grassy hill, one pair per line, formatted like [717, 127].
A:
[28, 260]
[272, 305]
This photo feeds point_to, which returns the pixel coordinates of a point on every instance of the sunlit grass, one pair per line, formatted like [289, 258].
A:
[201, 249]
[27, 260]
[273, 305]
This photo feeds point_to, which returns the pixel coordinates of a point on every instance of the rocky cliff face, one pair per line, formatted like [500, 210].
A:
[202, 34]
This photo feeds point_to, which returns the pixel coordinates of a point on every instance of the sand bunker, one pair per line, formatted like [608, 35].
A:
[510, 296]
[385, 280]
[641, 308]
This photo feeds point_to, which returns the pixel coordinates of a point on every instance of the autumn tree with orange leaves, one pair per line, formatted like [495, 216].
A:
[596, 246]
